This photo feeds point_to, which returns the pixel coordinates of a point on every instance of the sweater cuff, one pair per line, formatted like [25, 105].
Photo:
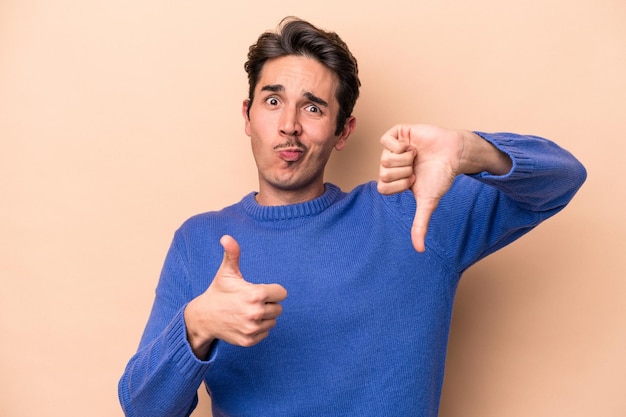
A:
[180, 350]
[522, 165]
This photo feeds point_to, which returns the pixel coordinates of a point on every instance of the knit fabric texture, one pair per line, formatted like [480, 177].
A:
[364, 328]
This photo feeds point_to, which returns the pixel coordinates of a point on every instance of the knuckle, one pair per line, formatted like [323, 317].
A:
[385, 159]
[248, 330]
[254, 314]
[247, 341]
[385, 176]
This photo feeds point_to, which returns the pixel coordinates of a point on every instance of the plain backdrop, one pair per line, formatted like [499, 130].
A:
[120, 119]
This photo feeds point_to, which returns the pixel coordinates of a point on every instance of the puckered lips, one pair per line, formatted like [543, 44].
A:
[291, 153]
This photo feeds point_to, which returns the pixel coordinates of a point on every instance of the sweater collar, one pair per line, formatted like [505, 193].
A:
[291, 211]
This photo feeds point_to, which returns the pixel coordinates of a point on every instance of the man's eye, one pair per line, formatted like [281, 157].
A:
[272, 101]
[312, 109]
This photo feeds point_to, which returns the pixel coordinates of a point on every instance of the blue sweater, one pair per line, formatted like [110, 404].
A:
[365, 326]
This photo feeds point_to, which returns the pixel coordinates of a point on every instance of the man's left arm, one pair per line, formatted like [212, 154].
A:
[534, 172]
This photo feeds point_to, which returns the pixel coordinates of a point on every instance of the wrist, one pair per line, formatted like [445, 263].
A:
[199, 342]
[480, 155]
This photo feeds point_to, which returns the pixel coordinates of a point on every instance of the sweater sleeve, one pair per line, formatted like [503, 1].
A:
[163, 377]
[482, 213]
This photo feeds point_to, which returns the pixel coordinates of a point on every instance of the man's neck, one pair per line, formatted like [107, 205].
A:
[275, 197]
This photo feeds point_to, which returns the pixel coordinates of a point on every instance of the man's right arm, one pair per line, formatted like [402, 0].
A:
[163, 377]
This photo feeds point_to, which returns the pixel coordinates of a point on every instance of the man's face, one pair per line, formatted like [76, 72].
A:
[291, 126]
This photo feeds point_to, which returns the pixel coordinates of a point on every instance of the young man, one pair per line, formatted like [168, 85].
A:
[371, 274]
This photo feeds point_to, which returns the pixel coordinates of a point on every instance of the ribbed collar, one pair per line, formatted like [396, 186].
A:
[292, 211]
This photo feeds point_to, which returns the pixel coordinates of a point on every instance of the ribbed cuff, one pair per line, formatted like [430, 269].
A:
[180, 350]
[506, 142]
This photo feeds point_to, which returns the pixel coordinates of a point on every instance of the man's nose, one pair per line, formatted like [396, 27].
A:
[289, 122]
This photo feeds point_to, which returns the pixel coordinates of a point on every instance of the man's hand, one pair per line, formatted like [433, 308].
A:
[232, 309]
[426, 159]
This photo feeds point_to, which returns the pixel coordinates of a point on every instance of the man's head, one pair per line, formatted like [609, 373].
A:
[300, 38]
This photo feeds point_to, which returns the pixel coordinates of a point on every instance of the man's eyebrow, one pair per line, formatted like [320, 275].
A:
[315, 99]
[273, 88]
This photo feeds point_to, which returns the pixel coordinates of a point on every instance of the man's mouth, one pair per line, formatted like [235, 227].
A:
[290, 154]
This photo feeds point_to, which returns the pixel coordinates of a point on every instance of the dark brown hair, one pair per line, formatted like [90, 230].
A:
[295, 36]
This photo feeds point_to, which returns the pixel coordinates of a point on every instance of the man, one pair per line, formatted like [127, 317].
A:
[371, 274]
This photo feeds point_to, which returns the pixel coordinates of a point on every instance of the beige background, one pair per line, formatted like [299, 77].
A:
[119, 119]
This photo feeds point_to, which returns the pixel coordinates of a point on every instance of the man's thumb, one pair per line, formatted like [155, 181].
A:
[231, 254]
[418, 235]
[425, 208]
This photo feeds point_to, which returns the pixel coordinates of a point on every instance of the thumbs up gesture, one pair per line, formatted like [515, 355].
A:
[426, 159]
[232, 309]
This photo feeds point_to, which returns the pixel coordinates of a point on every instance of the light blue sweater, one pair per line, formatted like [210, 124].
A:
[365, 326]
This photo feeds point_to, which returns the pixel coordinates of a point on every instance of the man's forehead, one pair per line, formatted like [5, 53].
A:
[296, 74]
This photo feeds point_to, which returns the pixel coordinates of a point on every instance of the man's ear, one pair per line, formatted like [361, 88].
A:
[245, 112]
[348, 128]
